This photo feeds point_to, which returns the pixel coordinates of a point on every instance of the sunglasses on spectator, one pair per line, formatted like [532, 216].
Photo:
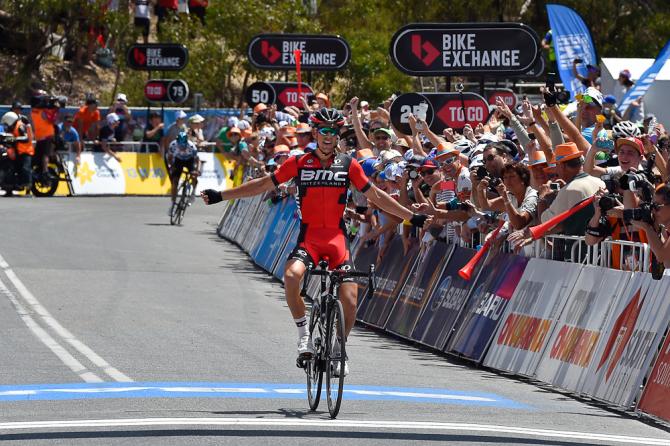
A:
[425, 173]
[328, 131]
[448, 161]
[384, 137]
[490, 157]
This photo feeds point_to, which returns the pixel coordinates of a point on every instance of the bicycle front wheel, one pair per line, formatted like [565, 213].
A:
[313, 367]
[335, 360]
[182, 203]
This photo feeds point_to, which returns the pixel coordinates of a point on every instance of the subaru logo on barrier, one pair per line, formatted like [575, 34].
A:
[319, 53]
[283, 94]
[444, 110]
[442, 49]
[157, 57]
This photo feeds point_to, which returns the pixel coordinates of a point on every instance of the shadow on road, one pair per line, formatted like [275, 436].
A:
[257, 433]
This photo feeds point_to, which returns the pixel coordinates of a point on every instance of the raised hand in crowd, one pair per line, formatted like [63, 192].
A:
[469, 133]
[502, 108]
[526, 117]
[479, 130]
[448, 134]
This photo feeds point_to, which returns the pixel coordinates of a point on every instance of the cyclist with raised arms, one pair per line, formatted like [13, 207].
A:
[322, 178]
[182, 152]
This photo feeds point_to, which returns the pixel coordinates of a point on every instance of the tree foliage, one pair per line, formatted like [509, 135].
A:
[218, 65]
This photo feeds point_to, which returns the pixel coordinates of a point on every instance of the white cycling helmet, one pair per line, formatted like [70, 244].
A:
[9, 119]
[464, 145]
[625, 129]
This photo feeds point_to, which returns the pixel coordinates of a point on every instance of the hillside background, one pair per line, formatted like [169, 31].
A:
[40, 41]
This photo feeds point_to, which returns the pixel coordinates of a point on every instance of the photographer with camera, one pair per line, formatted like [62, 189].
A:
[19, 149]
[44, 115]
[487, 177]
[655, 226]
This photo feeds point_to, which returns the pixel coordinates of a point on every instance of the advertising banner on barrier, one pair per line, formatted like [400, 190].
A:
[386, 293]
[491, 294]
[448, 297]
[630, 341]
[274, 241]
[531, 316]
[271, 220]
[656, 397]
[572, 345]
[289, 244]
[138, 174]
[388, 273]
[257, 228]
[363, 257]
[420, 283]
[276, 214]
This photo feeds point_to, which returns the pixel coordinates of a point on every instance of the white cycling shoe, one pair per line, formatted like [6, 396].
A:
[305, 348]
[337, 368]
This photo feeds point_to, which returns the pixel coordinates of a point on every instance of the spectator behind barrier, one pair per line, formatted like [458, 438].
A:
[657, 231]
[86, 120]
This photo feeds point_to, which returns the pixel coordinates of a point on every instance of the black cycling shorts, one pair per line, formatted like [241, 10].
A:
[178, 166]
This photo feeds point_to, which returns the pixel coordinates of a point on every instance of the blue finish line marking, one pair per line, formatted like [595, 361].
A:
[246, 390]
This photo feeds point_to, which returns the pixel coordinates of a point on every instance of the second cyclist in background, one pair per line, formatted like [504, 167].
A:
[182, 153]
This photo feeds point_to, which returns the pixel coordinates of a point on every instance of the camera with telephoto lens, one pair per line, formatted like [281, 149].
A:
[643, 213]
[609, 201]
[412, 173]
[48, 101]
[7, 139]
[642, 180]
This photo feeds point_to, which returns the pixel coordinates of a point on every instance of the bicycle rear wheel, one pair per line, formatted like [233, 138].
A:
[335, 333]
[313, 367]
[182, 203]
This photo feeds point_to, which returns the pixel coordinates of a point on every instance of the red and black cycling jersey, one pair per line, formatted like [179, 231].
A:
[322, 190]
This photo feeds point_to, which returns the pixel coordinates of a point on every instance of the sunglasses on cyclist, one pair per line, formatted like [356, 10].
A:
[328, 131]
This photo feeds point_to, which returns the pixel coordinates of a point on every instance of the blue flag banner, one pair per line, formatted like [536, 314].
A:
[572, 40]
[644, 82]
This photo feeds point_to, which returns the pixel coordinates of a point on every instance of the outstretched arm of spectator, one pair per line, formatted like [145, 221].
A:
[363, 141]
[570, 129]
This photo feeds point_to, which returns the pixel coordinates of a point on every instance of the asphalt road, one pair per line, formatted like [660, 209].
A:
[117, 328]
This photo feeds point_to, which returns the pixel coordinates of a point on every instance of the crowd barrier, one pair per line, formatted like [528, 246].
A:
[136, 174]
[587, 329]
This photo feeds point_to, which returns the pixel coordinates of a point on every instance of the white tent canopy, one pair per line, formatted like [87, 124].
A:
[656, 100]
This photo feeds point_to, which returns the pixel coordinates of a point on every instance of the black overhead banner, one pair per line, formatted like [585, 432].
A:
[319, 53]
[445, 49]
[157, 57]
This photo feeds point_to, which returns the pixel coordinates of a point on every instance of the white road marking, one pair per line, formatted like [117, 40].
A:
[335, 424]
[62, 354]
[65, 334]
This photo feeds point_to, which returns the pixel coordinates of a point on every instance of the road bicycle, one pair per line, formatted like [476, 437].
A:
[185, 195]
[326, 328]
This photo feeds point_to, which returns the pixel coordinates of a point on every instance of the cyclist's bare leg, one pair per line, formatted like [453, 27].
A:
[174, 182]
[349, 297]
[293, 274]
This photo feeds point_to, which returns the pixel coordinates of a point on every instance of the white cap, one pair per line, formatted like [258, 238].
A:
[196, 119]
[243, 124]
[121, 97]
[388, 155]
[476, 161]
[233, 121]
[364, 103]
[295, 152]
[180, 114]
[112, 118]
